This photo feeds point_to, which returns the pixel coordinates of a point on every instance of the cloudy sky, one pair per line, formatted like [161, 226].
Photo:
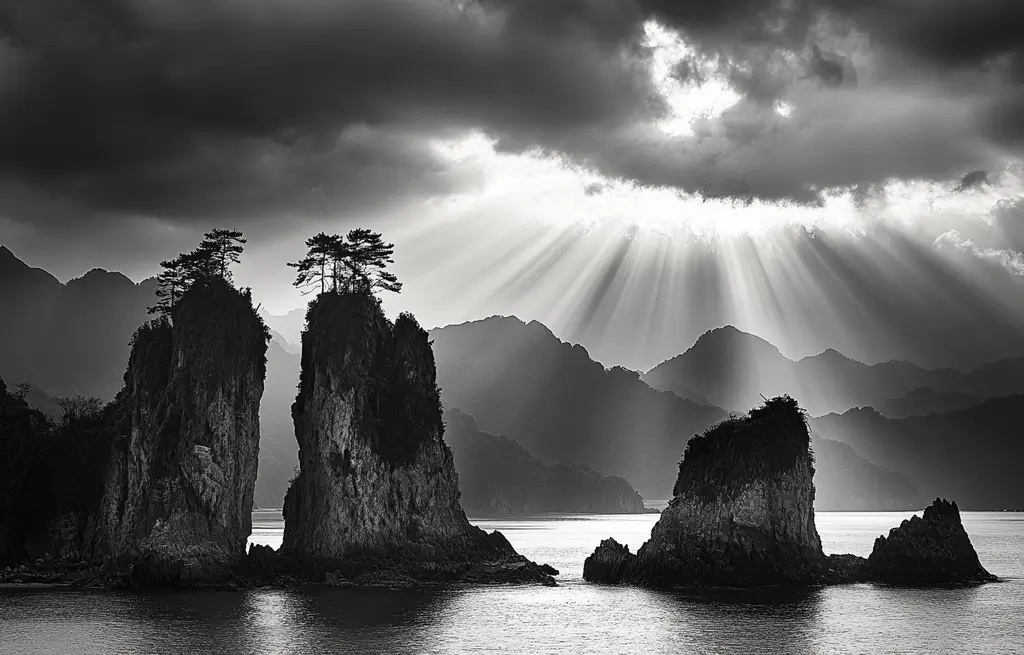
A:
[826, 173]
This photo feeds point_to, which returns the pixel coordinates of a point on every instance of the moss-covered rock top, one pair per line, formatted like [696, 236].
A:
[769, 440]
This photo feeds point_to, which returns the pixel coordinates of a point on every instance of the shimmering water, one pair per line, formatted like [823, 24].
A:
[575, 617]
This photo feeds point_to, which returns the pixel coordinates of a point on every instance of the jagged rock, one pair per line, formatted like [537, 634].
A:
[179, 486]
[931, 549]
[743, 511]
[609, 563]
[262, 561]
[377, 489]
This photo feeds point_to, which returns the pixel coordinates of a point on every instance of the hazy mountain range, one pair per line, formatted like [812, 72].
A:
[540, 411]
[733, 369]
[68, 338]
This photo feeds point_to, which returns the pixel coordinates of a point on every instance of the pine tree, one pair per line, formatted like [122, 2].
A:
[355, 264]
[320, 263]
[224, 247]
[219, 249]
[367, 258]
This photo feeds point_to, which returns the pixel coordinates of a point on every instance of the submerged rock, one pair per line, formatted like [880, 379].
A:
[377, 489]
[179, 485]
[931, 549]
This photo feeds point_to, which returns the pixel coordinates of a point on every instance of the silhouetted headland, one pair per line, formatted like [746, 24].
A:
[743, 515]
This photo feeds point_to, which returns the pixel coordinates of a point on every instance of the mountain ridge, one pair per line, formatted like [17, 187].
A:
[733, 369]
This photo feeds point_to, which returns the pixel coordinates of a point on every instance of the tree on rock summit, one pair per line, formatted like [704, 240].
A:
[216, 252]
[355, 263]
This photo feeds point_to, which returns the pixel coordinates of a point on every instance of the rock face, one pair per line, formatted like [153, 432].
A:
[929, 550]
[743, 511]
[179, 486]
[377, 487]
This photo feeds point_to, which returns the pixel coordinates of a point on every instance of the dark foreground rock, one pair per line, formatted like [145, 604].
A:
[933, 549]
[743, 516]
[610, 563]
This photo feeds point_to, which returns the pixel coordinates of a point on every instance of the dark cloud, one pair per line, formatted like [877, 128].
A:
[288, 107]
[913, 39]
[972, 180]
[164, 106]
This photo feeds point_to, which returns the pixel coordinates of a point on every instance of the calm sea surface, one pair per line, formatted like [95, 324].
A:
[574, 617]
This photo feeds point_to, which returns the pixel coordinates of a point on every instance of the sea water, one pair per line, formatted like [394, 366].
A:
[574, 617]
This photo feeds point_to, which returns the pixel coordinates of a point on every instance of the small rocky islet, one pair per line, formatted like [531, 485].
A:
[743, 516]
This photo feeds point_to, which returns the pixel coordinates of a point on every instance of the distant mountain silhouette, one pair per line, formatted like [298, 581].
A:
[923, 401]
[973, 454]
[498, 476]
[68, 338]
[521, 381]
[288, 325]
[734, 369]
[845, 481]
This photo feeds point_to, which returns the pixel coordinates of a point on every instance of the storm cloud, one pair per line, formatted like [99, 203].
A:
[254, 108]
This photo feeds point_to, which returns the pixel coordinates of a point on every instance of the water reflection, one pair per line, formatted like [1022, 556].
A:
[573, 618]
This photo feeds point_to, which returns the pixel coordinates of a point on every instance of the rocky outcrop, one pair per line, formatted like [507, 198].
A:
[179, 485]
[377, 489]
[743, 516]
[743, 511]
[610, 563]
[931, 549]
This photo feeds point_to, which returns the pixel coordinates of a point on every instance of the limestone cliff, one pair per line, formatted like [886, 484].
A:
[743, 511]
[179, 484]
[377, 487]
[931, 549]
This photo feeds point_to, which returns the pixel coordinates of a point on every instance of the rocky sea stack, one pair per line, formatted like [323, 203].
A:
[743, 511]
[179, 486]
[743, 515]
[933, 549]
[377, 496]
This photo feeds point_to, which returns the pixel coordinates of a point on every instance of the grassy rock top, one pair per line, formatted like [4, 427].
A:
[769, 440]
